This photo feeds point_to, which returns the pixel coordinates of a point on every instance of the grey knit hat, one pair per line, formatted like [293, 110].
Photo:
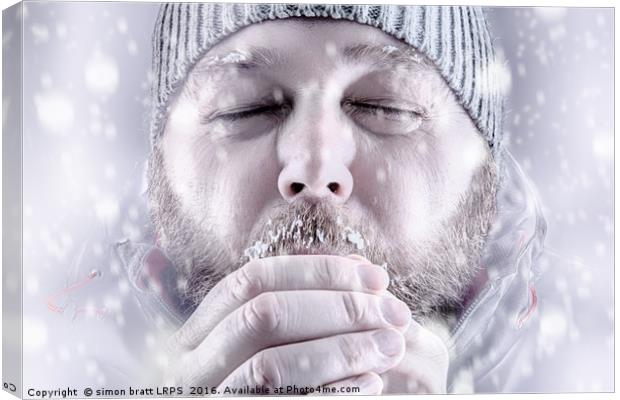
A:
[455, 38]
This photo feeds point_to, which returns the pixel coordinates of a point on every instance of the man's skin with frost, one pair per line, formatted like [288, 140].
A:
[265, 323]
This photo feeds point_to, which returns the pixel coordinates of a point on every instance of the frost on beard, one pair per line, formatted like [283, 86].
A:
[307, 231]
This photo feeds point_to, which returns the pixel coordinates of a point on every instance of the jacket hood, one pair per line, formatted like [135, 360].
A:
[491, 325]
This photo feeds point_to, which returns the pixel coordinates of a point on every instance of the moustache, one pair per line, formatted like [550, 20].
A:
[307, 228]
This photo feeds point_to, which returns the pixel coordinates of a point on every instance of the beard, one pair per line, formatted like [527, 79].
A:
[431, 277]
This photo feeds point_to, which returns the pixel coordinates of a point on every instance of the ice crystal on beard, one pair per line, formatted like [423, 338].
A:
[258, 250]
[355, 238]
[320, 235]
[301, 236]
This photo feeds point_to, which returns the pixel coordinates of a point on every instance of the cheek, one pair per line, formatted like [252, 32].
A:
[237, 182]
[400, 182]
[464, 151]
[223, 185]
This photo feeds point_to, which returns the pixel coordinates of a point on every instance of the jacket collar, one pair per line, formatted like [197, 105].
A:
[498, 305]
[503, 305]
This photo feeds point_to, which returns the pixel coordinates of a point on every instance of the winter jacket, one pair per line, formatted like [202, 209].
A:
[519, 317]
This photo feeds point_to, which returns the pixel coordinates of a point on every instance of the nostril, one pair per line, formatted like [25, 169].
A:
[333, 187]
[297, 187]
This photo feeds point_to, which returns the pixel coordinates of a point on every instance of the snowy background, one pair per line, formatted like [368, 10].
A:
[86, 141]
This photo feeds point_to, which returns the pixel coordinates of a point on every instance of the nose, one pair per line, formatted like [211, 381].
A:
[315, 154]
[324, 180]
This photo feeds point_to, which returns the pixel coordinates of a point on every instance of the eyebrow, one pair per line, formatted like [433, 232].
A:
[378, 56]
[385, 56]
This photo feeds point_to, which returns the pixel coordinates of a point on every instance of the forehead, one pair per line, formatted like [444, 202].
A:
[313, 42]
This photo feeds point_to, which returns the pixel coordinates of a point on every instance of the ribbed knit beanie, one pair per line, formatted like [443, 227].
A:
[455, 38]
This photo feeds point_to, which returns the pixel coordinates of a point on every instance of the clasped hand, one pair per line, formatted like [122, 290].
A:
[306, 321]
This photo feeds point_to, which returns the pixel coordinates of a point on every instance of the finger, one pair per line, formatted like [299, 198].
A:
[369, 383]
[276, 274]
[277, 318]
[318, 362]
[359, 258]
[427, 363]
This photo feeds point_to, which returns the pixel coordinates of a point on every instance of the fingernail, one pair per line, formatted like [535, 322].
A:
[389, 341]
[395, 311]
[369, 383]
[372, 277]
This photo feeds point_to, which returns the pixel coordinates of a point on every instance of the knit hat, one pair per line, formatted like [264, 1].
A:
[455, 38]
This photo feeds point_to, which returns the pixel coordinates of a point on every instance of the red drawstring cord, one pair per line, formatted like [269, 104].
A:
[530, 310]
[51, 300]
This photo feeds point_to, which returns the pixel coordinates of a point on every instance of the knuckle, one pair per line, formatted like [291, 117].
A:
[262, 314]
[352, 351]
[184, 339]
[264, 369]
[173, 345]
[328, 274]
[354, 307]
[245, 283]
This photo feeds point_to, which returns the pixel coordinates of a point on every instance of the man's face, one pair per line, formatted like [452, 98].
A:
[328, 128]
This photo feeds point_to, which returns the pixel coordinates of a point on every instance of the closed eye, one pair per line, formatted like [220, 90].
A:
[270, 110]
[385, 119]
[377, 109]
[243, 114]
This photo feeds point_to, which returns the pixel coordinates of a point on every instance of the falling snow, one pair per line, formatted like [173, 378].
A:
[55, 112]
[101, 74]
[35, 335]
[86, 185]
[40, 32]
